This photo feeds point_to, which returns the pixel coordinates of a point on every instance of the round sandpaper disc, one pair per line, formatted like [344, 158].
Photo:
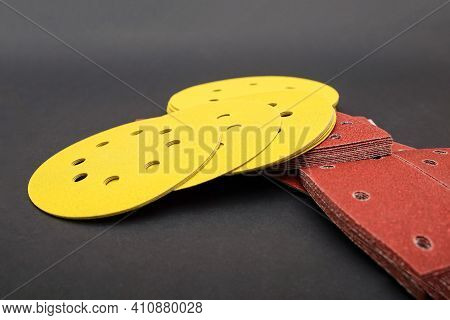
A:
[213, 92]
[305, 124]
[248, 128]
[123, 168]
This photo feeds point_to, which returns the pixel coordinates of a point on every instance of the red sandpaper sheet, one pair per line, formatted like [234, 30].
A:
[411, 284]
[430, 161]
[396, 208]
[294, 180]
[397, 147]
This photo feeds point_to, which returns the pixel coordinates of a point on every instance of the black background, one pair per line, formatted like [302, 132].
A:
[236, 237]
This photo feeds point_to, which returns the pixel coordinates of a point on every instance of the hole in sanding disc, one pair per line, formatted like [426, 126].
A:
[78, 161]
[423, 242]
[430, 162]
[172, 143]
[135, 133]
[111, 179]
[335, 136]
[234, 126]
[151, 164]
[165, 131]
[223, 115]
[285, 114]
[361, 195]
[79, 177]
[101, 144]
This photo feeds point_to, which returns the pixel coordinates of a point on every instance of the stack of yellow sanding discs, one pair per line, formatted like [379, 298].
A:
[229, 126]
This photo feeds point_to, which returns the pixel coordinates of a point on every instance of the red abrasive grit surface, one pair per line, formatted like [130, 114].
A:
[350, 130]
[396, 208]
[294, 181]
[397, 147]
[432, 162]
[411, 284]
[353, 138]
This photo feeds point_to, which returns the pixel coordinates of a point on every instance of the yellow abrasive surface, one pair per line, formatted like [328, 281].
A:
[124, 168]
[248, 128]
[304, 126]
[284, 148]
[307, 121]
[216, 91]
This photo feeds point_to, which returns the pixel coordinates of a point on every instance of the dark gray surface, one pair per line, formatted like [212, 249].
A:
[236, 237]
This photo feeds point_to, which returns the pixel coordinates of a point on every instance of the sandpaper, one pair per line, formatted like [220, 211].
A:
[395, 210]
[352, 139]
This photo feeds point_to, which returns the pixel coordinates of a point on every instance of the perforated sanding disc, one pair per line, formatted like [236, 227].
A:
[125, 167]
[213, 92]
[305, 124]
[305, 105]
[248, 128]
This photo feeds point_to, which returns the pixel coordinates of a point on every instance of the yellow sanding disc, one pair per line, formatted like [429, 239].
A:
[248, 128]
[306, 123]
[131, 165]
[213, 92]
[125, 167]
[304, 126]
[285, 146]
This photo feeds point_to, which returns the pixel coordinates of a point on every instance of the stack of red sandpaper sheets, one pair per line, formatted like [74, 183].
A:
[357, 136]
[394, 207]
[353, 138]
